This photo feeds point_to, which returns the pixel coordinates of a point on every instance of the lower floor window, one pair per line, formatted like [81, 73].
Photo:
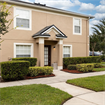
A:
[23, 50]
[66, 51]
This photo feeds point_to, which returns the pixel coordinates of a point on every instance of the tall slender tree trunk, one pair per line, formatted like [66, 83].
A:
[93, 47]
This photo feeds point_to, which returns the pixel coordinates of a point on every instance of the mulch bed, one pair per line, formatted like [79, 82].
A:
[74, 71]
[40, 76]
[71, 71]
[28, 77]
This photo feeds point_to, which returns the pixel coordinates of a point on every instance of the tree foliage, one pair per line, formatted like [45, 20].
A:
[93, 42]
[98, 36]
[99, 29]
[102, 46]
[4, 23]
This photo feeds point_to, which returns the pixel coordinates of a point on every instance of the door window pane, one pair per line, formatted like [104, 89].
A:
[45, 55]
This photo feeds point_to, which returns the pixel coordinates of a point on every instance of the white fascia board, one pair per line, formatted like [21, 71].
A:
[48, 8]
[54, 28]
[41, 37]
[60, 37]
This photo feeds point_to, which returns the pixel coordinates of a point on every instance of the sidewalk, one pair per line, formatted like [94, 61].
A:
[60, 77]
[81, 96]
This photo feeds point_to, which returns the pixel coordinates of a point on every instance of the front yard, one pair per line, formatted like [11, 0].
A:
[36, 94]
[99, 69]
[96, 83]
[103, 63]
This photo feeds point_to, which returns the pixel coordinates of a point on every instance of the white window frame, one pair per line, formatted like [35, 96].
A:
[30, 24]
[80, 26]
[32, 48]
[71, 51]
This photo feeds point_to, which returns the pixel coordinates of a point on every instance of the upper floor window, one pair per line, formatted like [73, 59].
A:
[77, 26]
[22, 19]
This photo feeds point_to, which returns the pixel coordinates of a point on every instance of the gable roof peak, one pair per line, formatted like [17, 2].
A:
[44, 32]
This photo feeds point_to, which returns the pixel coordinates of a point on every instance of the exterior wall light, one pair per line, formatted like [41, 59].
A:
[54, 47]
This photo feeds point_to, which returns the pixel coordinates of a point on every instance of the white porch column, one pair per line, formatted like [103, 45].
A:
[60, 55]
[41, 52]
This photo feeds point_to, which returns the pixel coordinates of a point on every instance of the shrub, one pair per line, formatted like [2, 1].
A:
[31, 60]
[14, 70]
[34, 71]
[71, 67]
[103, 57]
[96, 65]
[79, 60]
[85, 67]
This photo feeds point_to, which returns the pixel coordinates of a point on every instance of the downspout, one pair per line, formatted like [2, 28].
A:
[89, 37]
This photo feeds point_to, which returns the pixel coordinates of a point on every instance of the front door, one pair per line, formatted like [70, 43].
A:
[47, 55]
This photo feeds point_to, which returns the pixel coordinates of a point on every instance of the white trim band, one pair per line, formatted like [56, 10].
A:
[60, 67]
[60, 42]
[41, 40]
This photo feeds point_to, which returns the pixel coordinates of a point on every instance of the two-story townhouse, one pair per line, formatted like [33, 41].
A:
[46, 33]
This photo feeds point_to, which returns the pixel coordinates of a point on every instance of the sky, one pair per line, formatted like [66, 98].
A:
[88, 7]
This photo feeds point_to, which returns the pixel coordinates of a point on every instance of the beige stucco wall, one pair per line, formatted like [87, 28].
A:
[39, 21]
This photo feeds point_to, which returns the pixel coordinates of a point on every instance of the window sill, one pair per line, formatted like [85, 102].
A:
[77, 33]
[28, 29]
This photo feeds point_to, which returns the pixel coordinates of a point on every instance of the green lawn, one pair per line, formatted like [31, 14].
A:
[36, 94]
[103, 65]
[102, 62]
[99, 69]
[96, 83]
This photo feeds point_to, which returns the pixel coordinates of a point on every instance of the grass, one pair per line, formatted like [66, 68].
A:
[102, 62]
[36, 94]
[99, 69]
[103, 65]
[96, 83]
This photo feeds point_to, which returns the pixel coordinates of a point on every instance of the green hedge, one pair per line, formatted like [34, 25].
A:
[79, 60]
[71, 67]
[14, 70]
[32, 61]
[103, 57]
[34, 71]
[85, 67]
[96, 65]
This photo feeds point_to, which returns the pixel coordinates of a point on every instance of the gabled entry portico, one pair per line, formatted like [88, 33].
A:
[50, 45]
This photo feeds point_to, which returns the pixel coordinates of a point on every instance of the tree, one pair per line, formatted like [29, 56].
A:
[93, 41]
[4, 23]
[99, 31]
[102, 45]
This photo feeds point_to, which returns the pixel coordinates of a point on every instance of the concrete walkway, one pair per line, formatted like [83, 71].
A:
[81, 96]
[60, 77]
